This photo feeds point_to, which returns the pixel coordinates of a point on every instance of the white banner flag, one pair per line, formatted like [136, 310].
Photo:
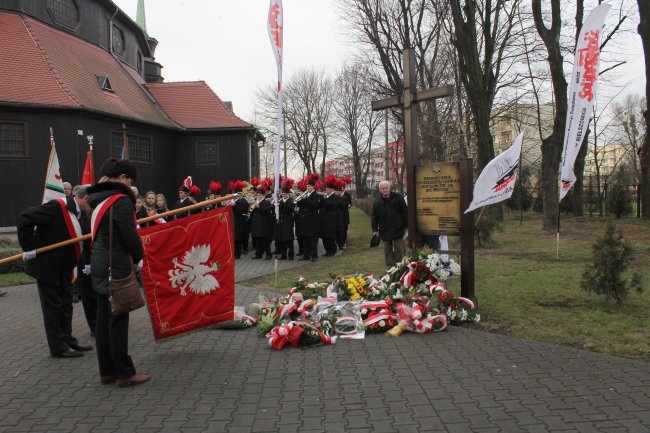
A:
[582, 92]
[53, 181]
[497, 180]
[276, 28]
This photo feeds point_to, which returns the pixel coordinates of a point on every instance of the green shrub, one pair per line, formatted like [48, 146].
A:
[619, 199]
[612, 255]
[16, 265]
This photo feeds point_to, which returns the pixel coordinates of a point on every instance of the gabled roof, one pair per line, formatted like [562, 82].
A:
[44, 66]
[194, 105]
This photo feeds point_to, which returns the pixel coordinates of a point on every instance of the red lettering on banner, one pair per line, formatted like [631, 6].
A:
[276, 29]
[588, 57]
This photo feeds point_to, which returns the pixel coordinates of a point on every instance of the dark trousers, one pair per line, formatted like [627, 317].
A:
[309, 247]
[330, 246]
[262, 245]
[285, 247]
[84, 286]
[300, 243]
[112, 339]
[341, 238]
[56, 303]
[238, 248]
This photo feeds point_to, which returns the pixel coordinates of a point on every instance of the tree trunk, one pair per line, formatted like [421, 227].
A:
[644, 32]
[552, 145]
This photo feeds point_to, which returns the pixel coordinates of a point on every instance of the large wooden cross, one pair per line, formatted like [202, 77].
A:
[408, 101]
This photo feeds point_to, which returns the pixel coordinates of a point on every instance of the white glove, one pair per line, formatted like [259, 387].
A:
[86, 270]
[28, 255]
[140, 265]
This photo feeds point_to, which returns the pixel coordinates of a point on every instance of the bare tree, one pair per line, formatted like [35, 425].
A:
[357, 123]
[482, 36]
[307, 102]
[644, 32]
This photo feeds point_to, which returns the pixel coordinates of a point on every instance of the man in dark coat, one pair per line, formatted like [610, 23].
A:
[308, 226]
[262, 225]
[240, 224]
[284, 227]
[84, 284]
[40, 226]
[344, 209]
[390, 222]
[327, 219]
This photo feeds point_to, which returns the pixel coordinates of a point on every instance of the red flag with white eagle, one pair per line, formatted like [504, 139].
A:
[189, 272]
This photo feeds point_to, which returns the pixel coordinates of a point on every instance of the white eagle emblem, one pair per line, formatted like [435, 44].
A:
[194, 272]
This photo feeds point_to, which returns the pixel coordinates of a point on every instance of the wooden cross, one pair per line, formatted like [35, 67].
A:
[408, 101]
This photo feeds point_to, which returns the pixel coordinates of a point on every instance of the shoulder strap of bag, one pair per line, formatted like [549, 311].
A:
[110, 243]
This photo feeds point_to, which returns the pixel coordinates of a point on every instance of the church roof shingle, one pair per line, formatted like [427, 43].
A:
[194, 105]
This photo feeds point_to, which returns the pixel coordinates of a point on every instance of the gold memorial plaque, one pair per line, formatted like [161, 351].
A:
[437, 192]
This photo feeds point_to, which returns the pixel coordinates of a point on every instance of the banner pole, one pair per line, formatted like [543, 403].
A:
[140, 221]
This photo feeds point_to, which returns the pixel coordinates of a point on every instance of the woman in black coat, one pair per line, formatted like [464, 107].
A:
[111, 332]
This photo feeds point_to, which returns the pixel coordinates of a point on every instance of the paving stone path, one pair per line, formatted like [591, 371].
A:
[231, 381]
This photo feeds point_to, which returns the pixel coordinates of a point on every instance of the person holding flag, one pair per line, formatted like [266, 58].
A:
[112, 198]
[54, 221]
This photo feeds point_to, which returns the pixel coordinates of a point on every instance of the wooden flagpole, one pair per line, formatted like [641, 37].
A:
[140, 221]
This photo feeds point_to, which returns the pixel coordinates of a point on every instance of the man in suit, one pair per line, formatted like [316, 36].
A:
[40, 226]
[307, 229]
[84, 285]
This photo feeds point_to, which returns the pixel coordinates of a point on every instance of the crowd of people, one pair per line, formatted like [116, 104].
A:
[84, 271]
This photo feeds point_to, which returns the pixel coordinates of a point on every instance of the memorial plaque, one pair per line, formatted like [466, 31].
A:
[437, 192]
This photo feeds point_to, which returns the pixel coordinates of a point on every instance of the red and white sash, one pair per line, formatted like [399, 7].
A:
[72, 224]
[99, 212]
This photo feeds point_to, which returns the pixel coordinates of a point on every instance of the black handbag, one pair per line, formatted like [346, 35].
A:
[374, 241]
[123, 293]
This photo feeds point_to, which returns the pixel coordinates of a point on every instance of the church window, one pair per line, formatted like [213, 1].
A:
[64, 12]
[207, 153]
[118, 40]
[140, 147]
[13, 140]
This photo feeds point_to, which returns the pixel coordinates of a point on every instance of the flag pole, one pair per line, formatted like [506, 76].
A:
[479, 217]
[140, 221]
[49, 163]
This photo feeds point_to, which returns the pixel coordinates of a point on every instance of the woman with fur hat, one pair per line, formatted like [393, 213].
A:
[113, 191]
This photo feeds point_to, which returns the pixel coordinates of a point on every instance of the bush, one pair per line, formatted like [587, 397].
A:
[365, 204]
[612, 255]
[16, 265]
[619, 199]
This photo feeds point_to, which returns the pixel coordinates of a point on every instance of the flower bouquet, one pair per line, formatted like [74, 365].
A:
[377, 316]
[344, 318]
[418, 318]
[299, 334]
[457, 309]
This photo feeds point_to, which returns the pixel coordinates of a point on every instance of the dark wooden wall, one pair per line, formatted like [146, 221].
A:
[22, 179]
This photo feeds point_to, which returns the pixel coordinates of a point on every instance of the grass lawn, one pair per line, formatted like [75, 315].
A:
[15, 279]
[523, 290]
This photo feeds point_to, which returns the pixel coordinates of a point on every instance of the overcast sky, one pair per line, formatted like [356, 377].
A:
[226, 44]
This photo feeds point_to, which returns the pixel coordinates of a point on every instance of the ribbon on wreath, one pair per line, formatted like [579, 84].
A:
[245, 318]
[284, 310]
[282, 335]
[467, 302]
[346, 320]
[427, 324]
[305, 306]
[375, 318]
[408, 277]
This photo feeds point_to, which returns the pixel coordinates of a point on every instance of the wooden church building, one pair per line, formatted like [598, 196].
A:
[83, 67]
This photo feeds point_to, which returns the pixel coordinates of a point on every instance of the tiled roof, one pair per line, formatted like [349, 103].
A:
[194, 105]
[44, 66]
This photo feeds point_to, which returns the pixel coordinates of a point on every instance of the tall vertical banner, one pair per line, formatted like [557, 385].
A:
[189, 272]
[53, 181]
[582, 93]
[276, 29]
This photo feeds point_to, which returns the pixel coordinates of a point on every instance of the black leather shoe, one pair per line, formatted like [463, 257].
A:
[80, 348]
[71, 353]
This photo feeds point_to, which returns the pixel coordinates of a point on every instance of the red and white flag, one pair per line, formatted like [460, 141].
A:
[88, 177]
[582, 92]
[189, 272]
[53, 181]
[497, 180]
[275, 27]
